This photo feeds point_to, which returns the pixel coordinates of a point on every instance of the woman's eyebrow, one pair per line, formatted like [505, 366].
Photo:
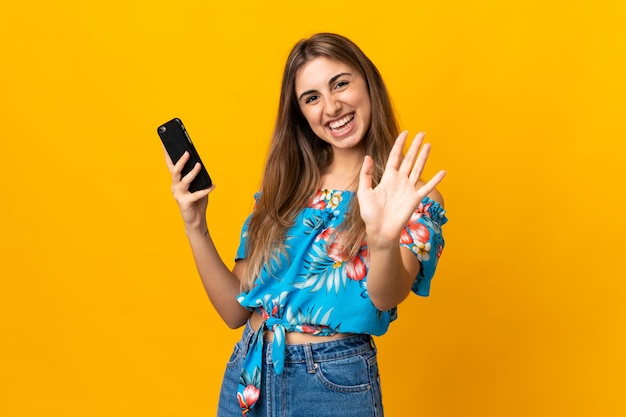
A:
[330, 82]
[333, 79]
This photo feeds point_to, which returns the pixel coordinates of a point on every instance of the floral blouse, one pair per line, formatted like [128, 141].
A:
[313, 287]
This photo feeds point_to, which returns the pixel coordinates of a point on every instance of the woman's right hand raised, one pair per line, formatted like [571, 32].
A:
[192, 205]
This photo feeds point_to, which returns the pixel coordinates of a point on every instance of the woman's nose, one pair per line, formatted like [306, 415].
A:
[333, 107]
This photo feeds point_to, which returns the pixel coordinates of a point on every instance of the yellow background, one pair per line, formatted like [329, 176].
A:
[101, 311]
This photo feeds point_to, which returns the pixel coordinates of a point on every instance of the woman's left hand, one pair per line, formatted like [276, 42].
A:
[387, 208]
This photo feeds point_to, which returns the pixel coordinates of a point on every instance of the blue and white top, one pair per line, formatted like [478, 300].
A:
[314, 288]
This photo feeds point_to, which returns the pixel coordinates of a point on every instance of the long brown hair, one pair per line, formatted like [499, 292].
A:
[297, 157]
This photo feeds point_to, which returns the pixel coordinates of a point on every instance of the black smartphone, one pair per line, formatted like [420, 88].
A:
[176, 141]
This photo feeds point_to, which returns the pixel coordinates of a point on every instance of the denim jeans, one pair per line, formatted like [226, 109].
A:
[329, 379]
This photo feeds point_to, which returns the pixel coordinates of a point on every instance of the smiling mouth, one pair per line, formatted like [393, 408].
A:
[341, 125]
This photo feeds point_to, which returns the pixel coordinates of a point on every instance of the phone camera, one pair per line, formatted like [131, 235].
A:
[162, 129]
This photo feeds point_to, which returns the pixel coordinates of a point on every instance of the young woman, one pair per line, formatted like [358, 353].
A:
[342, 231]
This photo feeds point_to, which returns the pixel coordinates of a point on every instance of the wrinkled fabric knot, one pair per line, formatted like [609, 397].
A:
[278, 327]
[250, 379]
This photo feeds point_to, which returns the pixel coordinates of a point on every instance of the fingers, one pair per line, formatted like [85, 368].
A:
[177, 168]
[412, 164]
[408, 163]
[418, 166]
[181, 192]
[191, 175]
[180, 183]
[415, 159]
[185, 181]
[396, 156]
[430, 185]
[197, 195]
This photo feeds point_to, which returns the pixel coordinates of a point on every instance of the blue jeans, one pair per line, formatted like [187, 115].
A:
[336, 378]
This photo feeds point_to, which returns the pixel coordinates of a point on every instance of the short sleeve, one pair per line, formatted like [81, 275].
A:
[422, 235]
[241, 250]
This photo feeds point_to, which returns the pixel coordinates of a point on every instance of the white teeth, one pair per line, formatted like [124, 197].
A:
[341, 122]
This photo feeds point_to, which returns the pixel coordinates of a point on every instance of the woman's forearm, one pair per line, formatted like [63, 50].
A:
[220, 283]
[390, 275]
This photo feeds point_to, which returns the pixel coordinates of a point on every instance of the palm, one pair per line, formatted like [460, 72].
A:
[386, 209]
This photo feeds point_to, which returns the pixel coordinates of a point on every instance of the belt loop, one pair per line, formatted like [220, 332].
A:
[249, 338]
[308, 354]
[249, 335]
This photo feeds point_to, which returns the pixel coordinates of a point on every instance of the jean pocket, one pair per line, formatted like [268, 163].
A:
[348, 374]
[236, 357]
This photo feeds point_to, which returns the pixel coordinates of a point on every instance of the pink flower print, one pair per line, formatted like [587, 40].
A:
[319, 200]
[326, 233]
[365, 253]
[273, 313]
[336, 252]
[419, 235]
[248, 399]
[423, 209]
[355, 269]
[310, 329]
[414, 232]
[275, 307]
[405, 237]
[419, 232]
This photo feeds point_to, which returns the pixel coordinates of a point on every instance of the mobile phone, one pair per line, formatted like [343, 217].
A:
[177, 141]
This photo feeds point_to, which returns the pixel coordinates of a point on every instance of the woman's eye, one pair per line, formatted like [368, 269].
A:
[341, 84]
[310, 99]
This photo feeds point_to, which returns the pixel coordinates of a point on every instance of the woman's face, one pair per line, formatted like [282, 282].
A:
[335, 101]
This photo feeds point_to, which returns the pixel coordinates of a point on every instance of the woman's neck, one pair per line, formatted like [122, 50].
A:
[343, 171]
